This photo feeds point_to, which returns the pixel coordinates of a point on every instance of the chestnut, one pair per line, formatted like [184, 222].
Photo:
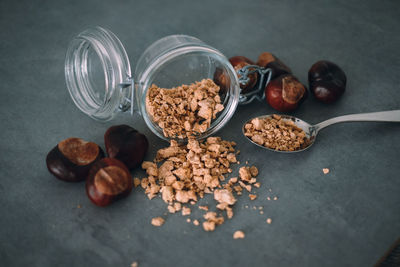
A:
[126, 144]
[327, 81]
[108, 180]
[285, 93]
[268, 60]
[71, 159]
[239, 62]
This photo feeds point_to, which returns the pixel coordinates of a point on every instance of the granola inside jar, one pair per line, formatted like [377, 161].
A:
[100, 82]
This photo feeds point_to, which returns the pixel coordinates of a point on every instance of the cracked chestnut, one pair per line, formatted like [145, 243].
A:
[268, 60]
[109, 180]
[126, 144]
[327, 81]
[71, 159]
[285, 93]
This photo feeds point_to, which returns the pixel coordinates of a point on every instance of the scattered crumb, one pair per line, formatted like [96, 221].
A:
[208, 226]
[196, 222]
[157, 221]
[134, 264]
[260, 207]
[203, 208]
[186, 211]
[261, 212]
[269, 220]
[136, 182]
[268, 198]
[325, 170]
[258, 184]
[238, 235]
[171, 209]
[79, 206]
[275, 198]
[188, 220]
[253, 171]
[252, 197]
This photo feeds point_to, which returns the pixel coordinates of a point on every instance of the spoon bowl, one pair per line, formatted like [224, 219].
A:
[311, 131]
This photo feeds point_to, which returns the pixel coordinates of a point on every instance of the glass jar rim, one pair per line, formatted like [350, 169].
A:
[116, 69]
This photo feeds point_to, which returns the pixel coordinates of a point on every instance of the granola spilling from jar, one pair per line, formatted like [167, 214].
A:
[276, 133]
[185, 110]
[183, 174]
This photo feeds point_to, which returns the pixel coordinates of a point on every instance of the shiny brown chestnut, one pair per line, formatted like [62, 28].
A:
[238, 62]
[268, 60]
[108, 180]
[285, 93]
[126, 144]
[71, 159]
[327, 81]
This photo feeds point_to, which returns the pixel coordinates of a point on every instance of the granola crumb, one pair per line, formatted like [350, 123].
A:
[134, 264]
[261, 212]
[252, 197]
[238, 235]
[196, 222]
[253, 171]
[188, 220]
[171, 209]
[157, 221]
[186, 211]
[203, 208]
[269, 221]
[268, 198]
[136, 182]
[209, 226]
[275, 198]
[325, 170]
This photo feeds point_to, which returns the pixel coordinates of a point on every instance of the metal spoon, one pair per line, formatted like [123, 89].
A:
[313, 130]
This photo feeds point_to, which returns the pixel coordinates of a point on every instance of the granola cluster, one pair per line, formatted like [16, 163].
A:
[276, 133]
[184, 173]
[185, 110]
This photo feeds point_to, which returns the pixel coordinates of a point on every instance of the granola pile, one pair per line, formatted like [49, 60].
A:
[184, 110]
[276, 133]
[184, 173]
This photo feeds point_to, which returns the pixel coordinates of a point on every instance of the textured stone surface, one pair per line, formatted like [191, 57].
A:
[348, 217]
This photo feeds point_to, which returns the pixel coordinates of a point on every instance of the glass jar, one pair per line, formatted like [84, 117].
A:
[101, 84]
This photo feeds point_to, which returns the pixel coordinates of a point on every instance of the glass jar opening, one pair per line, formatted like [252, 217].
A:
[96, 65]
[187, 65]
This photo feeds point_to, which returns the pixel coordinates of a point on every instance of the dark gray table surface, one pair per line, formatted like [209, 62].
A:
[348, 217]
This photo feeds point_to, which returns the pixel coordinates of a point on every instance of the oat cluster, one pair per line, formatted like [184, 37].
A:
[185, 110]
[276, 133]
[184, 173]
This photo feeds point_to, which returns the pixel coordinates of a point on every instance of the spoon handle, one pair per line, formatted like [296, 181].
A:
[386, 116]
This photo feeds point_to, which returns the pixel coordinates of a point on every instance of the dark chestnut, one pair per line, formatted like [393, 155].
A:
[108, 180]
[239, 62]
[268, 60]
[285, 93]
[327, 81]
[72, 159]
[126, 144]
